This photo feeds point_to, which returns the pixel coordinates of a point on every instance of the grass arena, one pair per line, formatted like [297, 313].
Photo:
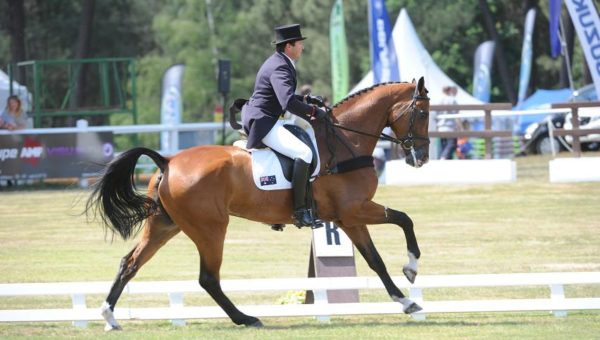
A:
[527, 226]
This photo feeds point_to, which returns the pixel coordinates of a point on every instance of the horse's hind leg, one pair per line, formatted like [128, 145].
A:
[209, 280]
[363, 242]
[158, 229]
[210, 246]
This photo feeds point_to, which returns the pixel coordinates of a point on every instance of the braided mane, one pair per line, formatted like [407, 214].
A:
[359, 93]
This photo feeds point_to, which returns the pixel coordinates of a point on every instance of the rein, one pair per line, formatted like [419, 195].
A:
[407, 143]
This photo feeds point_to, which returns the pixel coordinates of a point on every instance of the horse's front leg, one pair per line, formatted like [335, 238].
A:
[402, 219]
[363, 242]
[370, 213]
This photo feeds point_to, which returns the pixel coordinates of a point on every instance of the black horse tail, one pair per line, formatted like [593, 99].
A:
[114, 196]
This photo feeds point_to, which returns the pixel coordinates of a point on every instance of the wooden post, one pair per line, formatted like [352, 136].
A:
[487, 134]
[575, 125]
[575, 132]
[488, 127]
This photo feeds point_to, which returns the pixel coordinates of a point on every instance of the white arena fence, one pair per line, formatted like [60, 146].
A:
[171, 129]
[80, 314]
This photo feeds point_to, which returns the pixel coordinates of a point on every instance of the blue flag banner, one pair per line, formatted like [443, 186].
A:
[554, 25]
[482, 71]
[383, 53]
[526, 53]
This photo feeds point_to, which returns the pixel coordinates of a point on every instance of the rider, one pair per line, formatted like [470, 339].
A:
[274, 94]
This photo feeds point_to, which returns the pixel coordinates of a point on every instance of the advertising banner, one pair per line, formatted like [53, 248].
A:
[383, 52]
[482, 76]
[67, 155]
[587, 24]
[526, 54]
[339, 53]
[171, 106]
[554, 25]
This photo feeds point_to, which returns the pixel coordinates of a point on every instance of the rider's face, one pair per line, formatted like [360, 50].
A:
[295, 51]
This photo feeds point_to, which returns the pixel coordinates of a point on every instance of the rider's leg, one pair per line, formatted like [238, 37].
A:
[284, 142]
[299, 185]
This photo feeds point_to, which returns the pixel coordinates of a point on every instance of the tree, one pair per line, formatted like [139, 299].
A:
[16, 15]
[499, 54]
[197, 32]
[83, 49]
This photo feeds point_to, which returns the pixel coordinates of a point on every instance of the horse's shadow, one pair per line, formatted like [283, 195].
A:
[350, 324]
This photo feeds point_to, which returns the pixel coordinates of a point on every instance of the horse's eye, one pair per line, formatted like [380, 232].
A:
[423, 114]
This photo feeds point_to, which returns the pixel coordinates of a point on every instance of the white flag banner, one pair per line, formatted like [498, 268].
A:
[171, 106]
[587, 24]
[482, 71]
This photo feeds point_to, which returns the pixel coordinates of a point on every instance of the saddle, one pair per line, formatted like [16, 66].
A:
[272, 170]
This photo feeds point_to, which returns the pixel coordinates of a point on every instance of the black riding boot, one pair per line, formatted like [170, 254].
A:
[302, 216]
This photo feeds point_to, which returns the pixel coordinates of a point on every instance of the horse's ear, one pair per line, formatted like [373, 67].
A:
[414, 81]
[420, 85]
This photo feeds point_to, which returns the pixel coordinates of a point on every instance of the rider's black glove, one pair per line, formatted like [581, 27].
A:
[315, 100]
[319, 114]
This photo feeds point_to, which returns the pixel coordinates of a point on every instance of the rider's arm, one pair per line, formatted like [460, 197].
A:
[282, 82]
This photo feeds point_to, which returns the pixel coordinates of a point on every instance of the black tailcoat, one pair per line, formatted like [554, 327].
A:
[274, 94]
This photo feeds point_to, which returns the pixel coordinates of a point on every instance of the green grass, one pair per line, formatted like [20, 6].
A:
[527, 226]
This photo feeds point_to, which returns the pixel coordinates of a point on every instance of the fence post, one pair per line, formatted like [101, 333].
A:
[79, 304]
[557, 295]
[575, 124]
[575, 131]
[321, 299]
[416, 294]
[176, 301]
[488, 127]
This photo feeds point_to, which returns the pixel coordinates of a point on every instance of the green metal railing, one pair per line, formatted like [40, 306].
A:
[107, 86]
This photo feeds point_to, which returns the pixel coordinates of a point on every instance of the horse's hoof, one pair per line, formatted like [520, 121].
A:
[412, 308]
[256, 324]
[109, 328]
[410, 274]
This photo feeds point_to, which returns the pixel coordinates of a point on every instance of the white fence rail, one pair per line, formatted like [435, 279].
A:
[556, 302]
[171, 129]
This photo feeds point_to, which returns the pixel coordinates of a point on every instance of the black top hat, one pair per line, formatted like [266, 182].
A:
[287, 33]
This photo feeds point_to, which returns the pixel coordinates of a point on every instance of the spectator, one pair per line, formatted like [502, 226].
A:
[306, 89]
[13, 117]
[448, 124]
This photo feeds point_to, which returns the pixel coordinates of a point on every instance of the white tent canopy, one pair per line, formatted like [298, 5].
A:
[414, 62]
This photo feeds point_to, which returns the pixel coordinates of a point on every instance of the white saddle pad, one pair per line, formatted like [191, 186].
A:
[266, 168]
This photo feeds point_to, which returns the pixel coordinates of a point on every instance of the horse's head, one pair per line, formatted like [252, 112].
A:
[409, 119]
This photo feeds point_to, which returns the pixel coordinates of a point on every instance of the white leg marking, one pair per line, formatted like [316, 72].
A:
[107, 314]
[413, 263]
[408, 306]
[410, 270]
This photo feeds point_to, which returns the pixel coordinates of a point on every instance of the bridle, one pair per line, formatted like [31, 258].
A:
[407, 142]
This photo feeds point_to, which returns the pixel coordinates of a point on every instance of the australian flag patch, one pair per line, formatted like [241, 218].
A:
[268, 180]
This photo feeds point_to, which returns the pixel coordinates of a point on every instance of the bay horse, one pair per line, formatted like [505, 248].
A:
[196, 190]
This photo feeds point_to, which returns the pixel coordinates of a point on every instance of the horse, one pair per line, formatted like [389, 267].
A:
[196, 190]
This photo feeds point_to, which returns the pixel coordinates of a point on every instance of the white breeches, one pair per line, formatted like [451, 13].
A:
[283, 141]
